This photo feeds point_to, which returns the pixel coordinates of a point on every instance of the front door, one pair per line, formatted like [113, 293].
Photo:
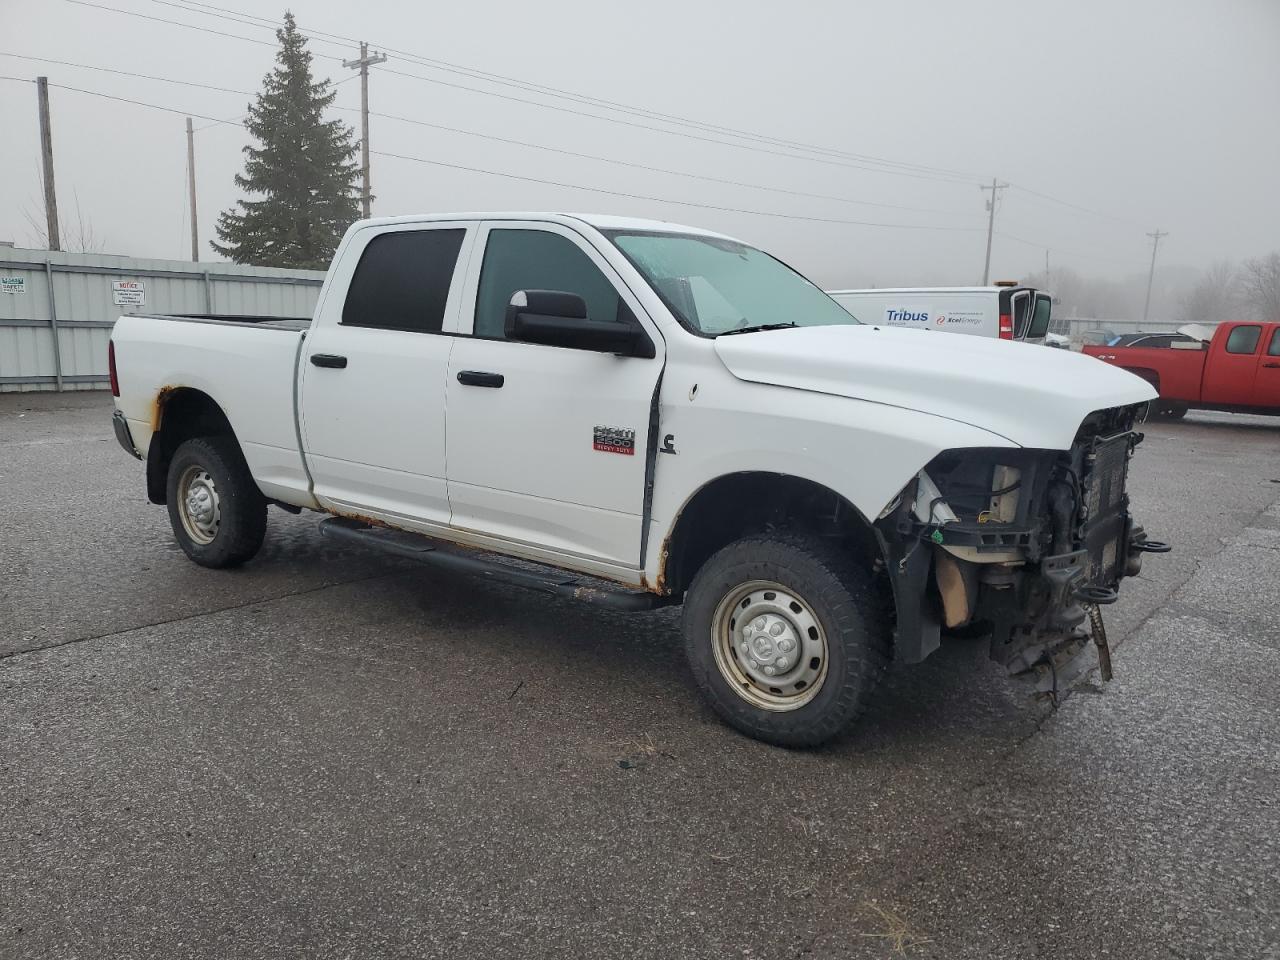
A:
[547, 446]
[373, 375]
[1230, 372]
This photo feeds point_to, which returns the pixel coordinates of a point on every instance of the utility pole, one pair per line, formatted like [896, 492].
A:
[996, 187]
[363, 65]
[1152, 275]
[191, 186]
[46, 155]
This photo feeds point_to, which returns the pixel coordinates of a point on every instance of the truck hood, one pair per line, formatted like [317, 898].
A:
[1031, 395]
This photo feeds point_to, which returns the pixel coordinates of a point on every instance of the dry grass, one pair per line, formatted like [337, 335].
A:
[897, 931]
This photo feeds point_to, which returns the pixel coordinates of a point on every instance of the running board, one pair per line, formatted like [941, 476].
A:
[541, 578]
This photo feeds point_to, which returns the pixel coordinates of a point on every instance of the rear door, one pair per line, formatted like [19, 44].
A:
[547, 446]
[1040, 316]
[373, 374]
[1266, 383]
[1233, 365]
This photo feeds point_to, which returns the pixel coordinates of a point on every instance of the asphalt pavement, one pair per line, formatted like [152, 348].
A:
[328, 753]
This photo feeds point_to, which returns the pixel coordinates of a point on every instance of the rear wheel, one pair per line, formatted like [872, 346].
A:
[786, 637]
[218, 515]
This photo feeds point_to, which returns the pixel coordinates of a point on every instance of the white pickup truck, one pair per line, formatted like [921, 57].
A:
[656, 414]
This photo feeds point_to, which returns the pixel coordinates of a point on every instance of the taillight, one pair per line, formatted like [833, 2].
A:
[111, 368]
[1006, 329]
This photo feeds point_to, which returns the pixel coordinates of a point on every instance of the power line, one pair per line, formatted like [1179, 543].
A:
[125, 73]
[557, 183]
[683, 203]
[653, 169]
[1074, 206]
[1040, 245]
[849, 164]
[506, 140]
[206, 9]
[136, 103]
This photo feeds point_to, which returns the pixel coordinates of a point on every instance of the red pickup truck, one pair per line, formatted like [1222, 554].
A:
[1237, 370]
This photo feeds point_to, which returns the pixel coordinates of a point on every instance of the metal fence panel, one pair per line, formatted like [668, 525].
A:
[81, 307]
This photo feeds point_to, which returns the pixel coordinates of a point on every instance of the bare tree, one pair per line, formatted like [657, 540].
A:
[77, 237]
[1260, 286]
[1215, 296]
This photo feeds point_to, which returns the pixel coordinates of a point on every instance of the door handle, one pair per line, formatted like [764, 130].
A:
[1271, 364]
[479, 378]
[328, 360]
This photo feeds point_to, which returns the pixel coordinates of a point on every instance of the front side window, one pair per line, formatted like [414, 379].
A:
[402, 281]
[538, 260]
[1243, 339]
[716, 286]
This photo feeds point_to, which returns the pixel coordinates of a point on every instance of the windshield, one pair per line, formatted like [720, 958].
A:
[716, 286]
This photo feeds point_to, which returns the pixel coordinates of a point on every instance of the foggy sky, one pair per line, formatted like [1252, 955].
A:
[1156, 114]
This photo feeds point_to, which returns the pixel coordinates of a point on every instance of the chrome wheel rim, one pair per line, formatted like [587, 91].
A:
[769, 646]
[198, 504]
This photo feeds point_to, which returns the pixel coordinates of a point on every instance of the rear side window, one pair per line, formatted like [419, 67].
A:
[402, 281]
[537, 260]
[1243, 339]
[1273, 349]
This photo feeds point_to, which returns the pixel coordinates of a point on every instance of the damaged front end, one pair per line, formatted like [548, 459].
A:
[1025, 543]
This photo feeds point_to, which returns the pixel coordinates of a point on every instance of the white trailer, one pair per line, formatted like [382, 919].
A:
[1003, 311]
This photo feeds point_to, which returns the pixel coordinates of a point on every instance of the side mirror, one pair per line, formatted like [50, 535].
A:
[557, 319]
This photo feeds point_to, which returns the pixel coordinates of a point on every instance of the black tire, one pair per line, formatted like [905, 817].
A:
[839, 594]
[241, 523]
[1173, 412]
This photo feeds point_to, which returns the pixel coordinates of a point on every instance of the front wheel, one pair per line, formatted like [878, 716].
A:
[218, 515]
[787, 637]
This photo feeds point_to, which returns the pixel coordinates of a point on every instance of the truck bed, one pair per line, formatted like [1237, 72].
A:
[1176, 373]
[222, 356]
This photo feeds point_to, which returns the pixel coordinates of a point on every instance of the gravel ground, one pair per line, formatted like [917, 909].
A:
[332, 754]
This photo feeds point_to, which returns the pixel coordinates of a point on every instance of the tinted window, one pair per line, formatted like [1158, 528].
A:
[1040, 319]
[1020, 304]
[1243, 339]
[1273, 349]
[402, 281]
[537, 260]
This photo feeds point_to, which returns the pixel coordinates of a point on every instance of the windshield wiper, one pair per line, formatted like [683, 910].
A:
[758, 327]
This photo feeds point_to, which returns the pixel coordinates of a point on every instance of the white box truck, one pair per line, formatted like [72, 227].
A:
[1005, 311]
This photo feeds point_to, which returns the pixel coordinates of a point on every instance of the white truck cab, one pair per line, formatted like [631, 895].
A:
[657, 414]
[1005, 311]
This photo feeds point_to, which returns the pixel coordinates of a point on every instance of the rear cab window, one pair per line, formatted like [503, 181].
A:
[402, 281]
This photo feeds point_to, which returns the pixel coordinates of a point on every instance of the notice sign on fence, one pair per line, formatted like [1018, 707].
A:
[128, 293]
[13, 284]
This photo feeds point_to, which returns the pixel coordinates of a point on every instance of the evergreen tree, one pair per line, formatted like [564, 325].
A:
[304, 170]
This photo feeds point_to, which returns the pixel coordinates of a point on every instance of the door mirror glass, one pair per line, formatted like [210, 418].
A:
[554, 318]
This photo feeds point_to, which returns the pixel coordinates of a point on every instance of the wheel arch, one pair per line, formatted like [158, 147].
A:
[180, 413]
[740, 504]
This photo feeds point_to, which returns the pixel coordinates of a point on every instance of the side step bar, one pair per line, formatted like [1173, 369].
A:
[543, 579]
